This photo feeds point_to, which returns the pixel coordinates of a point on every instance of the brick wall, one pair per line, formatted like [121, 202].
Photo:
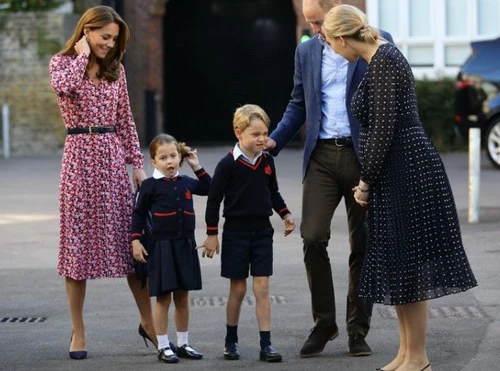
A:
[27, 41]
[144, 58]
[361, 4]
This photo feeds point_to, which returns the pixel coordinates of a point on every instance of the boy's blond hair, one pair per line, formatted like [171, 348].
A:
[244, 114]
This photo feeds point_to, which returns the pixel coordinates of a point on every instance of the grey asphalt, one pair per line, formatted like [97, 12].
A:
[464, 329]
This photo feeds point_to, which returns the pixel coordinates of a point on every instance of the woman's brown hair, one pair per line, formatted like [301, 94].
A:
[95, 18]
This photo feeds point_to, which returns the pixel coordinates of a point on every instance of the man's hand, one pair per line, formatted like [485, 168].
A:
[270, 144]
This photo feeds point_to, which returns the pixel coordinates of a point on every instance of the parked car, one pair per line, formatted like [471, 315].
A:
[477, 96]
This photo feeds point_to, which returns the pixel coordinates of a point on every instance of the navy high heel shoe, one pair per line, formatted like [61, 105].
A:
[77, 354]
[145, 336]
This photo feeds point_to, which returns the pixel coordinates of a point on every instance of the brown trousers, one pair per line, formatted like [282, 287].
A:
[332, 173]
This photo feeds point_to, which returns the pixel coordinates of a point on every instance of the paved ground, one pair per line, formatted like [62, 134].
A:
[464, 329]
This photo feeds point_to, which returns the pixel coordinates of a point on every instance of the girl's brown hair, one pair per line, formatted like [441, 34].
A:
[162, 139]
[95, 18]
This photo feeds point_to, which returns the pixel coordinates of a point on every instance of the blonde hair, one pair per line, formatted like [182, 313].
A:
[162, 139]
[348, 21]
[93, 19]
[244, 114]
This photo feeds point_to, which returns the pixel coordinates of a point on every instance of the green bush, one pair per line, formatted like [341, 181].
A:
[435, 107]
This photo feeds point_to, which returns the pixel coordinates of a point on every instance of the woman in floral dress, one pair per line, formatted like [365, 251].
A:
[95, 194]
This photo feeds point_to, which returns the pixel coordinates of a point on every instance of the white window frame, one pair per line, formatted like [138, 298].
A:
[438, 37]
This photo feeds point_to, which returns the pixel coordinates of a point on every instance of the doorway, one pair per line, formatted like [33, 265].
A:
[221, 54]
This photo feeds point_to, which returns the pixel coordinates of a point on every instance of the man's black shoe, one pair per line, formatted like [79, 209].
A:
[231, 351]
[317, 340]
[269, 354]
[186, 351]
[358, 346]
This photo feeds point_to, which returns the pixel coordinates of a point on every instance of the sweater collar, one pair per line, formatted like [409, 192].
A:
[237, 152]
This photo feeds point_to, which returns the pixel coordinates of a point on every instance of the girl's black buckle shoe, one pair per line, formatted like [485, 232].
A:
[162, 357]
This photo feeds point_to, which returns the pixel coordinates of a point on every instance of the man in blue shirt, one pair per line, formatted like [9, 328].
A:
[324, 83]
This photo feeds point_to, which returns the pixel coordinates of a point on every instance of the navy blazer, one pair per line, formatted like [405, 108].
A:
[305, 104]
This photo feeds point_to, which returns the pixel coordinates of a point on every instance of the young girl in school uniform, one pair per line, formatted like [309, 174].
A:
[172, 259]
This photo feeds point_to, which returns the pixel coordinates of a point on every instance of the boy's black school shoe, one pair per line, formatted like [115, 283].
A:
[269, 354]
[231, 351]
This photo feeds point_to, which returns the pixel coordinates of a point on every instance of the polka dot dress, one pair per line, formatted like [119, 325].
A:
[415, 249]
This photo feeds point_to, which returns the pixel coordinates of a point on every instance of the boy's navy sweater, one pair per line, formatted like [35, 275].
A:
[249, 191]
[170, 202]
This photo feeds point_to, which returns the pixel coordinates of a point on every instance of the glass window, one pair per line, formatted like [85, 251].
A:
[419, 18]
[421, 55]
[488, 13]
[456, 17]
[456, 55]
[389, 16]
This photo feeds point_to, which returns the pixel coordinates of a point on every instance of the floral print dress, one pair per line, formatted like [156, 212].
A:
[95, 193]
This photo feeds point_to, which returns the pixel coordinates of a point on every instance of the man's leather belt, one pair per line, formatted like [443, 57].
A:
[339, 142]
[92, 130]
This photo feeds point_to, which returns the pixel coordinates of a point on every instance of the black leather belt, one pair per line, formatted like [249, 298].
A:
[339, 142]
[92, 130]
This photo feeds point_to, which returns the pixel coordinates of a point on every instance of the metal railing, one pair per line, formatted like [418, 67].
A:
[5, 131]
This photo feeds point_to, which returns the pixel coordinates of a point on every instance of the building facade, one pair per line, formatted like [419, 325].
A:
[435, 34]
[191, 62]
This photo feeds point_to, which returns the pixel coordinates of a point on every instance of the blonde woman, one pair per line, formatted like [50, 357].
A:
[414, 251]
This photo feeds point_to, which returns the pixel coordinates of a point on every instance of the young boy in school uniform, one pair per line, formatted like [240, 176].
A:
[245, 179]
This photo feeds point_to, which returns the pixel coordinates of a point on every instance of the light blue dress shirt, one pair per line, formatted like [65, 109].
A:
[334, 119]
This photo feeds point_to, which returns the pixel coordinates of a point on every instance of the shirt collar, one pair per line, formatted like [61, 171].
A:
[327, 49]
[323, 42]
[237, 152]
[157, 174]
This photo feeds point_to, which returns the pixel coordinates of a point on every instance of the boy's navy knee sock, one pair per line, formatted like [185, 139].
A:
[265, 339]
[231, 334]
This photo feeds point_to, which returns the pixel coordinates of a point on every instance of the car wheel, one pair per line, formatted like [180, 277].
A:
[493, 143]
